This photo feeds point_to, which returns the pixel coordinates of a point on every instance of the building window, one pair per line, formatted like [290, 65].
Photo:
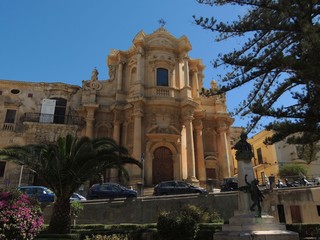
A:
[259, 153]
[30, 95]
[15, 91]
[10, 116]
[53, 110]
[60, 110]
[162, 77]
[318, 209]
[2, 167]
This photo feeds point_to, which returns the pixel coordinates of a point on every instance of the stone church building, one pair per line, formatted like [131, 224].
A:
[153, 103]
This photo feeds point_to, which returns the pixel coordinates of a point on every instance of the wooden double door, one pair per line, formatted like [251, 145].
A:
[162, 165]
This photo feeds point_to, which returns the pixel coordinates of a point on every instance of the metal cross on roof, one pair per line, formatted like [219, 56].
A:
[162, 22]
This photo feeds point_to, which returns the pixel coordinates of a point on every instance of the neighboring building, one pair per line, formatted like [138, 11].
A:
[268, 159]
[152, 104]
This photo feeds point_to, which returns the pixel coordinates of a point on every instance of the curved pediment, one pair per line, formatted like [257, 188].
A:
[161, 38]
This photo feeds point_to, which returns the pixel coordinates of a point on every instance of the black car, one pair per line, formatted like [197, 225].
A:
[110, 190]
[176, 187]
[229, 184]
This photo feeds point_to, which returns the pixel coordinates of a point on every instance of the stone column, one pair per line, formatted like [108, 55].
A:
[119, 82]
[224, 152]
[116, 131]
[195, 86]
[201, 167]
[137, 138]
[139, 65]
[229, 147]
[190, 149]
[90, 108]
[186, 72]
[116, 125]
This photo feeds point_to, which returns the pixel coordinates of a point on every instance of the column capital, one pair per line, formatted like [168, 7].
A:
[138, 113]
[118, 115]
[221, 130]
[197, 123]
[187, 118]
[138, 109]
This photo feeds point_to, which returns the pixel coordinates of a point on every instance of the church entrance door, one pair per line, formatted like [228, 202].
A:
[162, 165]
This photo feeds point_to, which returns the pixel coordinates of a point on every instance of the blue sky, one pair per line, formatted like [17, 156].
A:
[63, 40]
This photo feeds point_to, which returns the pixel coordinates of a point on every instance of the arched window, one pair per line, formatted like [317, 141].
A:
[162, 77]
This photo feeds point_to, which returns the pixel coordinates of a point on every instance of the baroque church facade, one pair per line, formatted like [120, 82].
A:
[152, 104]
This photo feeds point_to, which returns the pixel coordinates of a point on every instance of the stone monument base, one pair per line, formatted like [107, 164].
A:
[246, 226]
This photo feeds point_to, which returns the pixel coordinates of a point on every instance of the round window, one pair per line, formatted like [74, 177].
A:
[15, 91]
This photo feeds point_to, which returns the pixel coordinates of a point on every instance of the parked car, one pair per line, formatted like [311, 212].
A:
[110, 190]
[77, 197]
[45, 195]
[229, 184]
[176, 187]
[316, 181]
[41, 193]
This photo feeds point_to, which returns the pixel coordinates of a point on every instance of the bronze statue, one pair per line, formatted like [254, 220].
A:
[256, 194]
[244, 149]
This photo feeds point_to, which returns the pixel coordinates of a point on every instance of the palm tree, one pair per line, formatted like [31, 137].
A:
[67, 164]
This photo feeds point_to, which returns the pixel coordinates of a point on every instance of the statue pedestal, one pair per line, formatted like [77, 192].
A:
[244, 225]
[244, 200]
[247, 226]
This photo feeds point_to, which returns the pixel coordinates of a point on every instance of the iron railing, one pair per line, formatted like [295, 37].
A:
[53, 119]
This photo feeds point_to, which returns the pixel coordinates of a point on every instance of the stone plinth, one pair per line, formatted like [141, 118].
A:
[245, 225]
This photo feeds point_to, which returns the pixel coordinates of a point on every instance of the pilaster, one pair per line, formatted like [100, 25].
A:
[201, 168]
[187, 119]
[224, 149]
[90, 109]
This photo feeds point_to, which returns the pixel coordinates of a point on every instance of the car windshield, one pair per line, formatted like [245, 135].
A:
[168, 184]
[183, 184]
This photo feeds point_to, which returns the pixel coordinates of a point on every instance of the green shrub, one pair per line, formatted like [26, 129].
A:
[176, 226]
[201, 215]
[75, 208]
[292, 170]
[184, 223]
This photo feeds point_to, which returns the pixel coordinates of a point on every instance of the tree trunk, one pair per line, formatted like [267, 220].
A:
[60, 221]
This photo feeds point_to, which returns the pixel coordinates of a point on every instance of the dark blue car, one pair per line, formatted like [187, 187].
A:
[176, 187]
[110, 190]
[42, 194]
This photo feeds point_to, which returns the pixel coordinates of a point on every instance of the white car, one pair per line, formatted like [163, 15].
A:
[77, 197]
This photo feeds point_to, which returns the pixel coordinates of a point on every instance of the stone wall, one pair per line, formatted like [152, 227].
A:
[146, 209]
